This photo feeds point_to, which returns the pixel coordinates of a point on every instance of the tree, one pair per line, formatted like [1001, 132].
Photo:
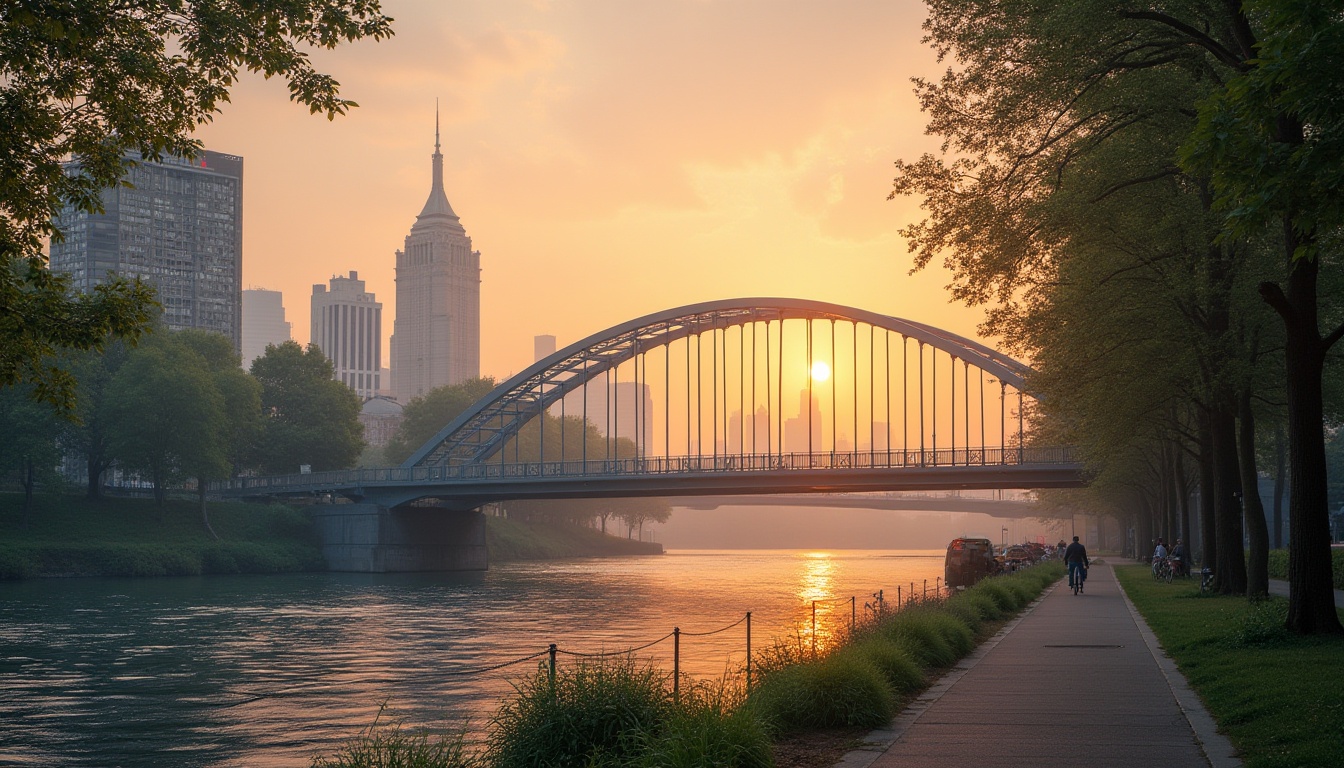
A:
[425, 415]
[637, 512]
[29, 446]
[1272, 139]
[241, 396]
[310, 417]
[86, 431]
[164, 416]
[1063, 201]
[95, 79]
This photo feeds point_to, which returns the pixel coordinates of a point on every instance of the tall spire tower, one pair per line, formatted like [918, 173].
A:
[436, 337]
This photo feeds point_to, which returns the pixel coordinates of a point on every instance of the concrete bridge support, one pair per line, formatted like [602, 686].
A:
[368, 538]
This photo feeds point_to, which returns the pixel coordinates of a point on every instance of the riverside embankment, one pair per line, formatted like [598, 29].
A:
[69, 535]
[269, 670]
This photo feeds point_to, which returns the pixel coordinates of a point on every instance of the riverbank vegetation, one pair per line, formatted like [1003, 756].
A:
[72, 536]
[508, 540]
[620, 712]
[1274, 694]
[1146, 203]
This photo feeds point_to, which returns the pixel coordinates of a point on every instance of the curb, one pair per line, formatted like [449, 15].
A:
[880, 740]
[1217, 749]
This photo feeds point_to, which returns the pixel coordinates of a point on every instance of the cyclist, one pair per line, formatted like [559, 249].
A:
[1159, 554]
[1076, 556]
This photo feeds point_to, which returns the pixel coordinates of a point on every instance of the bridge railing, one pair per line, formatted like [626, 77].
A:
[654, 465]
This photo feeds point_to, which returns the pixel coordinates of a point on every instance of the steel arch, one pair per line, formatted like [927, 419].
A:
[489, 423]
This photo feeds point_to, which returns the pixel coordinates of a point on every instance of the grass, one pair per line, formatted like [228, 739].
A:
[1278, 565]
[1276, 696]
[392, 746]
[69, 535]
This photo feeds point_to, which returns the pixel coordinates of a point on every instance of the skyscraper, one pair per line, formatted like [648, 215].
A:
[264, 323]
[436, 337]
[347, 325]
[179, 227]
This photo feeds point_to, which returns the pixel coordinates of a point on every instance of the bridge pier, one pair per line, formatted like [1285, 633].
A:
[369, 538]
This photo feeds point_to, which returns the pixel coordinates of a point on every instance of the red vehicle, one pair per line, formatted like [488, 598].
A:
[968, 561]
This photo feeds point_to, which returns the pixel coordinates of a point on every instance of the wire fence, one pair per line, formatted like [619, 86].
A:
[876, 607]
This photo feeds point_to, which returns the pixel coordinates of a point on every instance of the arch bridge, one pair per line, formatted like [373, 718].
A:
[740, 396]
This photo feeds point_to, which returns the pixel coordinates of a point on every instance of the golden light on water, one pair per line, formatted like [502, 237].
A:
[817, 627]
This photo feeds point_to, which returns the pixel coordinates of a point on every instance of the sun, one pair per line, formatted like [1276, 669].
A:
[820, 370]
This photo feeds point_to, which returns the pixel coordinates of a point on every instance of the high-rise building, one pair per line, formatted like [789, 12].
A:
[436, 337]
[178, 227]
[347, 323]
[264, 323]
[543, 346]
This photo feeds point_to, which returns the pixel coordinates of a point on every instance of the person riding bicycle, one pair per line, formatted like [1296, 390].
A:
[1159, 554]
[1076, 556]
[1178, 559]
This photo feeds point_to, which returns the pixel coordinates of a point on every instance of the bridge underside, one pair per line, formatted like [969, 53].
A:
[993, 508]
[474, 493]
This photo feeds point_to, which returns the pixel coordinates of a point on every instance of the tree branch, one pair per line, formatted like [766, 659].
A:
[1329, 341]
[1198, 38]
[1273, 296]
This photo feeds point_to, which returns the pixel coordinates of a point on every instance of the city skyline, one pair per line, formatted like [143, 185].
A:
[764, 161]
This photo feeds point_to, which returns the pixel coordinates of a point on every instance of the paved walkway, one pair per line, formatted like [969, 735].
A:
[1076, 680]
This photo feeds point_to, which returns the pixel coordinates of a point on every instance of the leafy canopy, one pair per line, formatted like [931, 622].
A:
[95, 79]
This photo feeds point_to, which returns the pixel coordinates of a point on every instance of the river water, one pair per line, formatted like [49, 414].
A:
[271, 670]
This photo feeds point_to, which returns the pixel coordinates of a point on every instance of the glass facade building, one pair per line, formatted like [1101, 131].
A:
[178, 227]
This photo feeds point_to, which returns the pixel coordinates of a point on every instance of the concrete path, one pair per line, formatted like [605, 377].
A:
[1280, 587]
[1076, 680]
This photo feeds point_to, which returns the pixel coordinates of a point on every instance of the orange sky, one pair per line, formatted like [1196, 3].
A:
[608, 159]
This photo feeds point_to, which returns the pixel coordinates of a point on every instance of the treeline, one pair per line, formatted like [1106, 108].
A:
[178, 407]
[1150, 199]
[545, 438]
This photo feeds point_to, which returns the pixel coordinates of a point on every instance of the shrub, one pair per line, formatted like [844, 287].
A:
[1004, 598]
[902, 673]
[982, 603]
[841, 690]
[709, 727]
[594, 713]
[918, 635]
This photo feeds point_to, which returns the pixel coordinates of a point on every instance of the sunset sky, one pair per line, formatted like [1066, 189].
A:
[608, 158]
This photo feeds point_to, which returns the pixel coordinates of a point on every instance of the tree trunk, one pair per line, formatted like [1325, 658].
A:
[1280, 482]
[1311, 597]
[1231, 563]
[29, 480]
[1183, 491]
[1208, 539]
[1257, 570]
[1143, 534]
[205, 512]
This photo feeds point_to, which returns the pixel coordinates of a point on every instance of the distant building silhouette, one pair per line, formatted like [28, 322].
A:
[263, 323]
[347, 325]
[542, 347]
[178, 227]
[436, 337]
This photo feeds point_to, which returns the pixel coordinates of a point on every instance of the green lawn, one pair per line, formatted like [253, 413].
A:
[1279, 698]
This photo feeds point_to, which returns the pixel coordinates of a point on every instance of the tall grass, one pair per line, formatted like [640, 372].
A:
[392, 746]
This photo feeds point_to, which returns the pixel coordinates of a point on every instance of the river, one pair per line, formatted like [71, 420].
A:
[271, 670]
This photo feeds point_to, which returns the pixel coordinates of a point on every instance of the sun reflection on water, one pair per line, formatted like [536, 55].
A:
[820, 623]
